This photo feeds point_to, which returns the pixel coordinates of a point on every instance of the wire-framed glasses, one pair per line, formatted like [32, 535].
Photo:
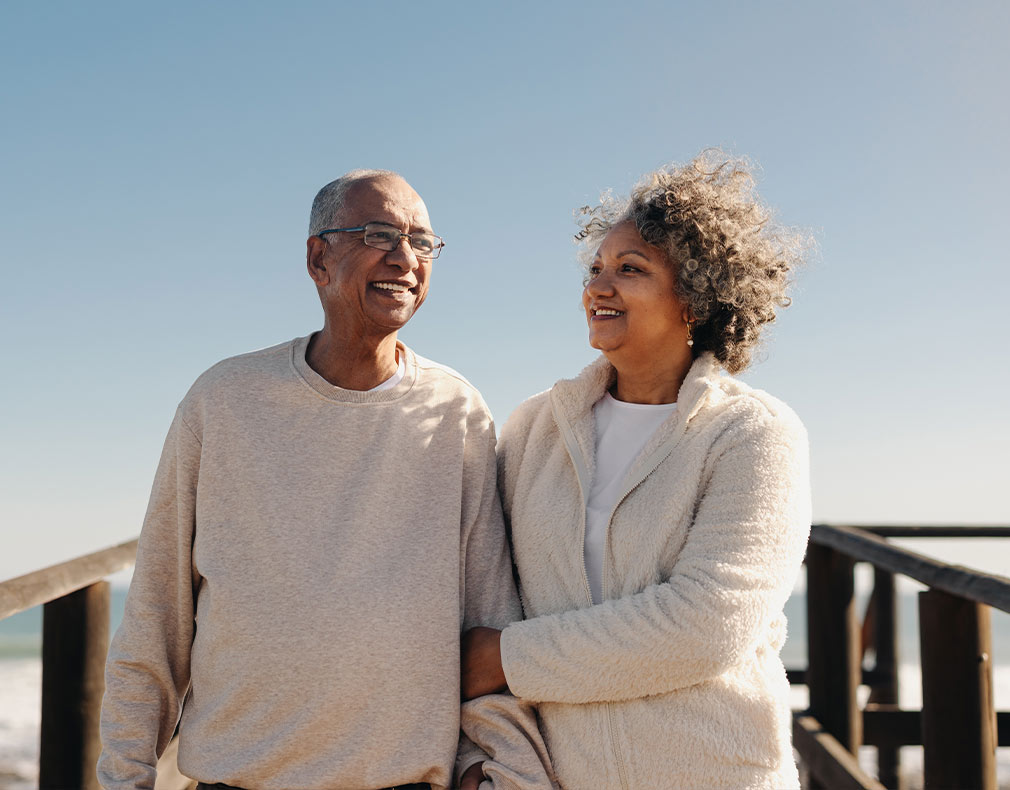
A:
[387, 237]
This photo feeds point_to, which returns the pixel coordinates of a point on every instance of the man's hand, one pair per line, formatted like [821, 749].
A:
[480, 663]
[472, 777]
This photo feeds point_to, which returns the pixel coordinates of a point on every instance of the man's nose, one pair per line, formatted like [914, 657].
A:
[403, 255]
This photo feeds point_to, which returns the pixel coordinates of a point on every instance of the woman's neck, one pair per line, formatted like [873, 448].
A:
[656, 381]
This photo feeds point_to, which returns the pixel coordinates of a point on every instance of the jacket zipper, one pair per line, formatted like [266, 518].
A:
[653, 461]
[582, 476]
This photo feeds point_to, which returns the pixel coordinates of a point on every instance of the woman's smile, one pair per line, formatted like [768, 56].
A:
[630, 298]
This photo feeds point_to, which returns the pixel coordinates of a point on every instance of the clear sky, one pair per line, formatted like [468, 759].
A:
[158, 162]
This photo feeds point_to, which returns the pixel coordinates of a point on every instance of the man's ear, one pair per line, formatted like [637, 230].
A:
[315, 252]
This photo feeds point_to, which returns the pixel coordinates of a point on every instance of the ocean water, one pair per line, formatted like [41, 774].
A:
[21, 685]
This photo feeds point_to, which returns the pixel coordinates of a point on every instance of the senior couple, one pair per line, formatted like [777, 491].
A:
[324, 566]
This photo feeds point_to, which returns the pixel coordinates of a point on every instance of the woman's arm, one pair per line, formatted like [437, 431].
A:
[733, 575]
[480, 663]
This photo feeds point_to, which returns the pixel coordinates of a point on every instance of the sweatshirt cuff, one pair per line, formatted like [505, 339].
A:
[511, 648]
[468, 755]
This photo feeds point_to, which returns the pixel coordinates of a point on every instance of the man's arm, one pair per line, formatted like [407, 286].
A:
[502, 726]
[147, 674]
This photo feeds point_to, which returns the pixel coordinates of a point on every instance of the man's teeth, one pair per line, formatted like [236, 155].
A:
[609, 312]
[395, 287]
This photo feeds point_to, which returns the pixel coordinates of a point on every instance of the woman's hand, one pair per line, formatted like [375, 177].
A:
[472, 777]
[480, 663]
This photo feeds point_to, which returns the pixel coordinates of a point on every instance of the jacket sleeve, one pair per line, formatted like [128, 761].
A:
[148, 671]
[729, 583]
[503, 728]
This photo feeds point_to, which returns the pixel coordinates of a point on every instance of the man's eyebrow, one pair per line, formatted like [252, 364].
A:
[419, 228]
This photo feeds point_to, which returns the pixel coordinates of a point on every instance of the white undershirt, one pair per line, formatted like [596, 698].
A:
[393, 380]
[622, 431]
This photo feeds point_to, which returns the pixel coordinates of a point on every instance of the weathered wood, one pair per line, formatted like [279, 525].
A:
[958, 719]
[830, 764]
[833, 653]
[884, 689]
[798, 677]
[75, 638]
[889, 725]
[964, 582]
[38, 587]
[935, 531]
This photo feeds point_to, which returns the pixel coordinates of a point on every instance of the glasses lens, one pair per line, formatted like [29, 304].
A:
[383, 237]
[424, 244]
[387, 237]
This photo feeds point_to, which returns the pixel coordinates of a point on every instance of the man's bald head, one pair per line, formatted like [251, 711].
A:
[331, 199]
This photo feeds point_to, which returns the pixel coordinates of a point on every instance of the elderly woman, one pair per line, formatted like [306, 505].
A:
[659, 510]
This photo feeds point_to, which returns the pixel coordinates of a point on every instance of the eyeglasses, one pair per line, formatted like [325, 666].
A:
[387, 237]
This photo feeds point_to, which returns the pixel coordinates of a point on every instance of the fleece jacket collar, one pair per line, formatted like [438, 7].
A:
[572, 403]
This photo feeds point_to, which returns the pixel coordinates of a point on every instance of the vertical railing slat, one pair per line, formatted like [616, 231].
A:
[958, 719]
[75, 638]
[885, 643]
[834, 661]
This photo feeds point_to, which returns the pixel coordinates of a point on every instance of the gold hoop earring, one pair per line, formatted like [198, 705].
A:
[690, 337]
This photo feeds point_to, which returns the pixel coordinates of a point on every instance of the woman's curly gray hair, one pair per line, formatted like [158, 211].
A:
[732, 262]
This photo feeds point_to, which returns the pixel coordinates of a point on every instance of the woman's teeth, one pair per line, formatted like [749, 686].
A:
[395, 287]
[608, 312]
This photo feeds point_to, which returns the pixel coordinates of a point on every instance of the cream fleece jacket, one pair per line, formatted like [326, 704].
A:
[309, 557]
[674, 681]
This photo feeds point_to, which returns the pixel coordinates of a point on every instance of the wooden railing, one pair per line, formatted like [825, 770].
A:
[75, 637]
[958, 726]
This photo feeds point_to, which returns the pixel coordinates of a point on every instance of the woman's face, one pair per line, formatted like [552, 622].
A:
[631, 306]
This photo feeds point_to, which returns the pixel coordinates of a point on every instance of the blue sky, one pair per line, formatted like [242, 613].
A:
[158, 163]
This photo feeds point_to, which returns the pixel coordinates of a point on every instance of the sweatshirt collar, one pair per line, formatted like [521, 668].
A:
[340, 395]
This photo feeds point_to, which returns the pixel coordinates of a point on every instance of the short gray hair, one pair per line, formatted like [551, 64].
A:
[329, 200]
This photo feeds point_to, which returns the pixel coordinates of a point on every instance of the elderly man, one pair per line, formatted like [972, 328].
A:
[324, 522]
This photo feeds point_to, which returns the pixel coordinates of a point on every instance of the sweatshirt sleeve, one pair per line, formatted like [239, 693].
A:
[731, 579]
[147, 673]
[503, 728]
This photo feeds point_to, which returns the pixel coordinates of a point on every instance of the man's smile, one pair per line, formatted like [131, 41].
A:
[387, 286]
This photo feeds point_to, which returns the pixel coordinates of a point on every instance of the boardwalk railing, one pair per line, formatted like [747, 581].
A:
[75, 638]
[958, 726]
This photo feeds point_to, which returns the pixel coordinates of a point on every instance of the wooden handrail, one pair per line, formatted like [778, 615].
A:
[932, 530]
[968, 583]
[827, 759]
[76, 596]
[48, 584]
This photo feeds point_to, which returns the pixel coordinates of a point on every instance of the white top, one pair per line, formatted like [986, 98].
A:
[393, 380]
[622, 431]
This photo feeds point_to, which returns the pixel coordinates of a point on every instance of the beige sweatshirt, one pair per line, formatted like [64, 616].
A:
[674, 681]
[309, 557]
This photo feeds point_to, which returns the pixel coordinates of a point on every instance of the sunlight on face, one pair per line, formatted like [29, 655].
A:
[630, 300]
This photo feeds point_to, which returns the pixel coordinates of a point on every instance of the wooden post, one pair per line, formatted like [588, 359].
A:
[834, 666]
[75, 639]
[958, 717]
[885, 645]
